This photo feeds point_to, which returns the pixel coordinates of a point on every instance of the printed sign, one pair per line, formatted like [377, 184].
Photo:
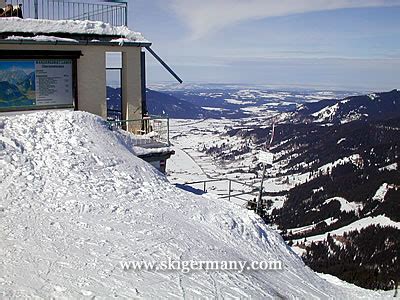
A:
[266, 157]
[35, 83]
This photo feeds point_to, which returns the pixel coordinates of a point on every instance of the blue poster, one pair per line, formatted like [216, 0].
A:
[28, 84]
[17, 83]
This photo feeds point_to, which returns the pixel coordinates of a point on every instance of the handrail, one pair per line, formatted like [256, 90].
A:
[230, 190]
[221, 179]
[151, 117]
[113, 12]
[147, 125]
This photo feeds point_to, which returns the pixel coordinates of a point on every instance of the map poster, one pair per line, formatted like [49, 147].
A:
[35, 83]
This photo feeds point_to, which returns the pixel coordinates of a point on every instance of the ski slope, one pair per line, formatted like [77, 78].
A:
[75, 201]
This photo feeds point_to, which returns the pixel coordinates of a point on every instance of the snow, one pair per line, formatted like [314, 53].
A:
[41, 26]
[355, 159]
[356, 225]
[142, 144]
[327, 113]
[341, 141]
[381, 192]
[41, 38]
[334, 280]
[345, 205]
[391, 167]
[75, 201]
[310, 227]
[373, 96]
[121, 41]
[185, 167]
[213, 108]
[239, 102]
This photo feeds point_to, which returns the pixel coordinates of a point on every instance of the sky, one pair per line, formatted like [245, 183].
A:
[335, 44]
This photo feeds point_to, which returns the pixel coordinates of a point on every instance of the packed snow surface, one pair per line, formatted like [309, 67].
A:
[75, 201]
[41, 26]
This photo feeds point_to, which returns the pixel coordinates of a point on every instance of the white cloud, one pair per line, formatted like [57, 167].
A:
[205, 16]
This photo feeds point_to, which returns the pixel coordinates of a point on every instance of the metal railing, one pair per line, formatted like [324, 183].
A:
[112, 12]
[231, 192]
[155, 127]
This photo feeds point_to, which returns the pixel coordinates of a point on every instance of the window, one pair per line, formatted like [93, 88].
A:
[114, 85]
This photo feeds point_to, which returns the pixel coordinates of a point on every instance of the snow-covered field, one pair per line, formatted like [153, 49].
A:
[75, 201]
[191, 137]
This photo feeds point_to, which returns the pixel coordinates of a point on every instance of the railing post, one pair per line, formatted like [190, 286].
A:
[204, 187]
[126, 14]
[36, 7]
[168, 132]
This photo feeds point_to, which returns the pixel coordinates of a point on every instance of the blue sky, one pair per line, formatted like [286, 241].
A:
[340, 44]
[26, 66]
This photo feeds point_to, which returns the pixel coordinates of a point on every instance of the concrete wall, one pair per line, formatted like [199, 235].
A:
[131, 78]
[92, 76]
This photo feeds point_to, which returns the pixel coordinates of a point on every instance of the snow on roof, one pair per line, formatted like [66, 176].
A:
[77, 202]
[51, 27]
[41, 38]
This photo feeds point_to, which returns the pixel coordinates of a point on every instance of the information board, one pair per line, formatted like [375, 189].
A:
[36, 83]
[266, 157]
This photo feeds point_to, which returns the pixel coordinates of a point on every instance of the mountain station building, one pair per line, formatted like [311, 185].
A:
[67, 64]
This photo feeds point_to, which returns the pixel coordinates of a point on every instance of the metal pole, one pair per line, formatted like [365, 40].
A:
[163, 64]
[36, 5]
[204, 187]
[168, 132]
[126, 14]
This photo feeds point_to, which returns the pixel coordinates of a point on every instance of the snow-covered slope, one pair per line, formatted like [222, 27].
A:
[373, 107]
[75, 202]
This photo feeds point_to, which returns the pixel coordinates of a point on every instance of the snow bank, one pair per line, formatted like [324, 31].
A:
[41, 26]
[75, 202]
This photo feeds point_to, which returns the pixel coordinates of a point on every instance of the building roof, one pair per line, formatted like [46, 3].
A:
[67, 31]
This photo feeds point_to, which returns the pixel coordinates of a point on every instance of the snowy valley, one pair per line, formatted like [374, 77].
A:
[331, 177]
